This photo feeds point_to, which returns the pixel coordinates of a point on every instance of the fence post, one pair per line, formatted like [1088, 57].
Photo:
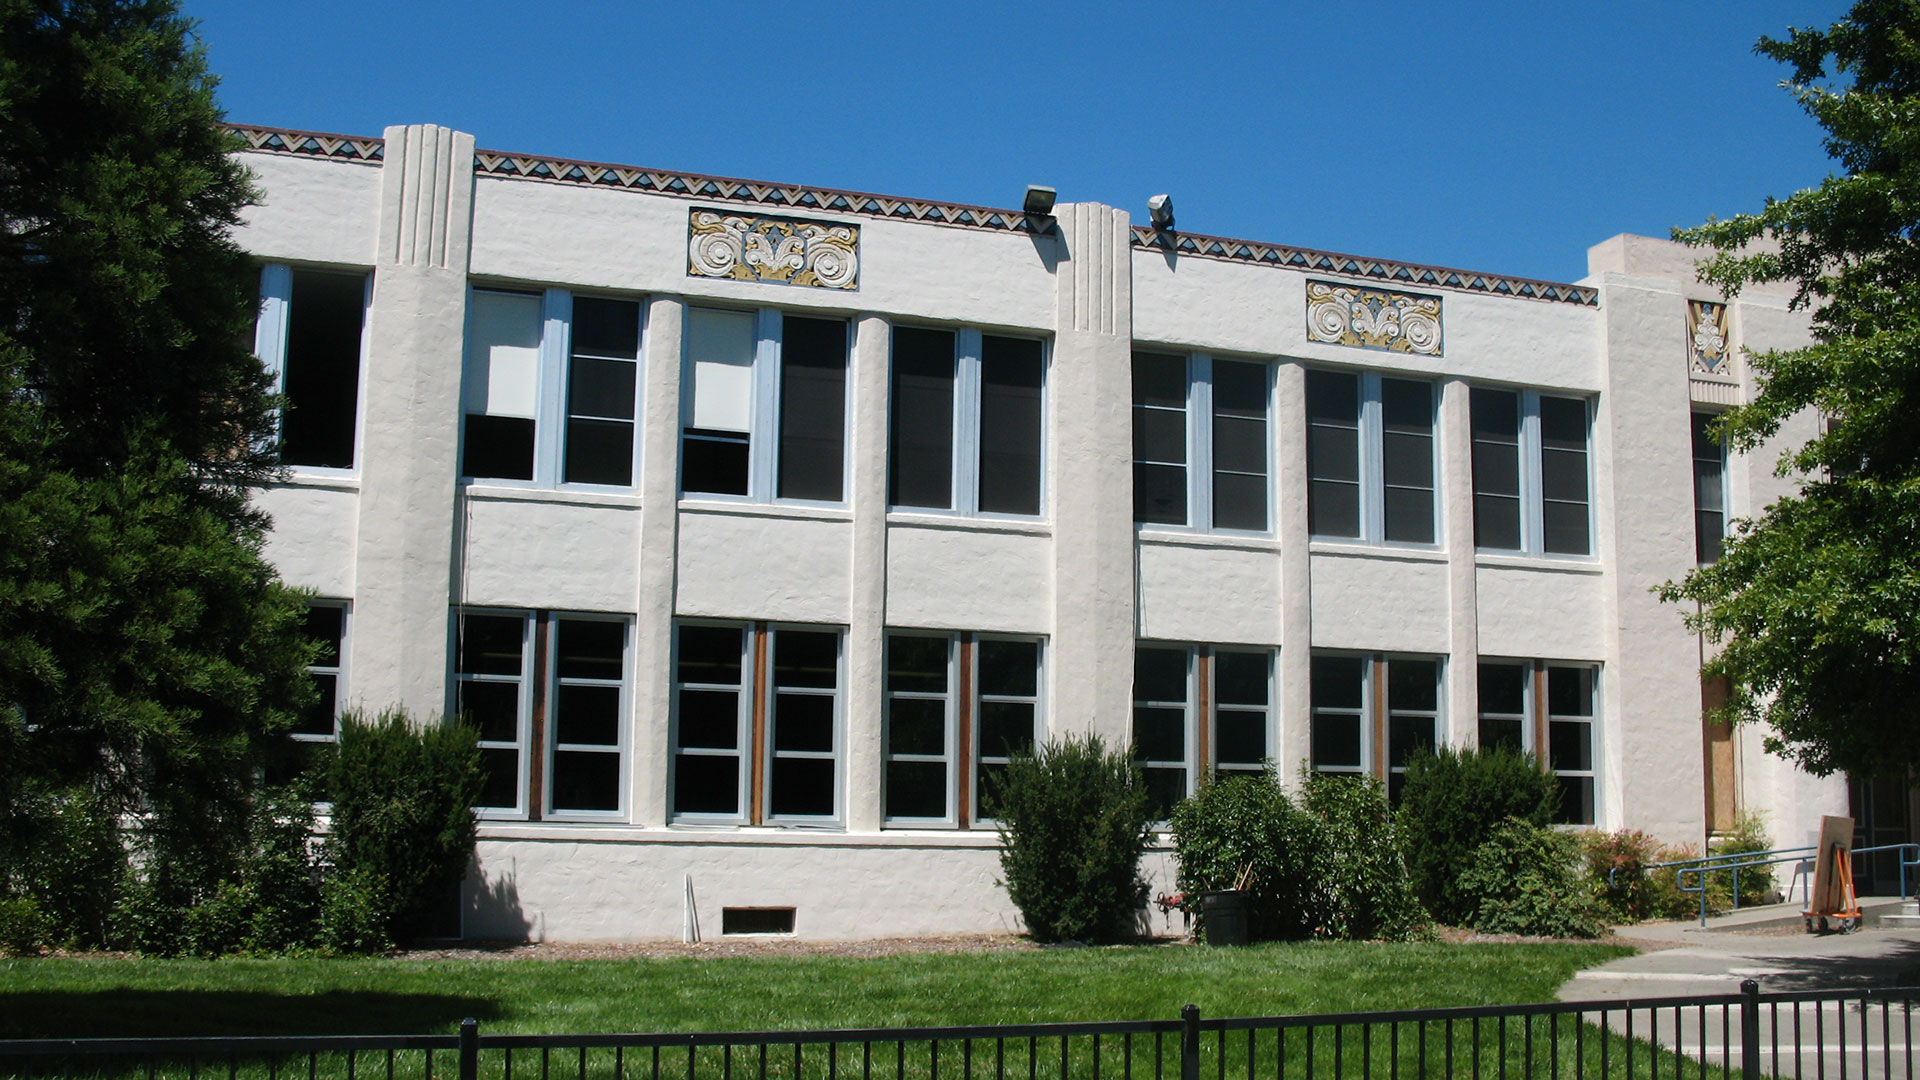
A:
[470, 1049]
[1190, 1043]
[1749, 1029]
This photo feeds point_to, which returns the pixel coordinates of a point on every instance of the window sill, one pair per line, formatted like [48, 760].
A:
[1234, 541]
[499, 493]
[967, 523]
[344, 480]
[1363, 549]
[813, 512]
[762, 836]
[1565, 564]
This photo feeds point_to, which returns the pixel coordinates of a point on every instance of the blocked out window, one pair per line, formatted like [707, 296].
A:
[1201, 443]
[310, 334]
[1358, 700]
[549, 694]
[551, 388]
[1199, 709]
[1506, 705]
[744, 758]
[1530, 472]
[1709, 490]
[965, 429]
[1413, 715]
[1370, 457]
[763, 405]
[958, 708]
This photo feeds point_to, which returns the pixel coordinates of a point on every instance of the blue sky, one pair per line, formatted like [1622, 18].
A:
[1496, 136]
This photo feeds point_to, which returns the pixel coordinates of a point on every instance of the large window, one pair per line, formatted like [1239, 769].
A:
[318, 725]
[966, 423]
[1199, 709]
[1370, 458]
[549, 695]
[1530, 473]
[958, 706]
[551, 388]
[1527, 704]
[1359, 700]
[1202, 456]
[756, 724]
[310, 334]
[1709, 490]
[764, 406]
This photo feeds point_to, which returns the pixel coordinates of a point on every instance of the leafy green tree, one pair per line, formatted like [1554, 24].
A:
[1816, 603]
[149, 657]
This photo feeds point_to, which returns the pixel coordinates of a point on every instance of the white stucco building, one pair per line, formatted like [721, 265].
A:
[755, 523]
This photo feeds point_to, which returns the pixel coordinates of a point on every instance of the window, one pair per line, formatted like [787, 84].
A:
[318, 725]
[551, 388]
[1570, 718]
[1709, 490]
[957, 705]
[549, 695]
[1370, 457]
[1351, 714]
[783, 377]
[741, 757]
[966, 422]
[1506, 705]
[1199, 708]
[1201, 451]
[1530, 473]
[309, 334]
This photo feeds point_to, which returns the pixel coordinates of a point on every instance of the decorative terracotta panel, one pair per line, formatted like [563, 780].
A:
[784, 251]
[1709, 348]
[1369, 318]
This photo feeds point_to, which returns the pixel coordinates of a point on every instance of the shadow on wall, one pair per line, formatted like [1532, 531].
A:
[491, 907]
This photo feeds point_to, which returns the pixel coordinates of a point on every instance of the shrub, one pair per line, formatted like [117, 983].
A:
[354, 913]
[1749, 833]
[24, 928]
[1452, 803]
[1616, 873]
[1525, 879]
[63, 851]
[279, 873]
[1073, 824]
[1357, 864]
[403, 812]
[1244, 825]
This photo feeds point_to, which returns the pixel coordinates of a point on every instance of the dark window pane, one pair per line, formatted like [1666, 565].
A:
[1009, 667]
[1496, 468]
[1240, 738]
[917, 663]
[803, 722]
[1159, 734]
[1709, 532]
[921, 442]
[1240, 444]
[800, 787]
[498, 447]
[1406, 734]
[916, 789]
[806, 658]
[1706, 446]
[1240, 389]
[1333, 453]
[1496, 415]
[586, 781]
[713, 462]
[1406, 405]
[590, 649]
[1336, 741]
[1503, 688]
[988, 776]
[1240, 678]
[1159, 674]
[322, 378]
[1570, 744]
[710, 654]
[493, 707]
[323, 626]
[1406, 460]
[1563, 424]
[587, 715]
[1576, 801]
[710, 719]
[1239, 501]
[1570, 691]
[603, 327]
[1006, 728]
[1160, 494]
[601, 388]
[813, 408]
[1413, 684]
[1708, 485]
[1333, 508]
[1565, 528]
[501, 788]
[917, 726]
[1563, 475]
[1409, 515]
[1160, 379]
[488, 644]
[1336, 682]
[1165, 789]
[1159, 435]
[1501, 733]
[1333, 398]
[1496, 522]
[706, 785]
[317, 718]
[1010, 374]
[599, 452]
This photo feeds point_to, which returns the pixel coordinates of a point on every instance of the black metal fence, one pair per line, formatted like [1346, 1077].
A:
[1811, 1035]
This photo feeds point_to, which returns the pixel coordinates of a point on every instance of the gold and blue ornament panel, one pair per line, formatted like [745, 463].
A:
[777, 250]
[1709, 348]
[1367, 318]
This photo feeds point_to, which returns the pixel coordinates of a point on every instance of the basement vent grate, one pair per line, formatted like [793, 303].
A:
[756, 920]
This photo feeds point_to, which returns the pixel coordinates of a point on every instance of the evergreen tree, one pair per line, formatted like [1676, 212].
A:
[1816, 603]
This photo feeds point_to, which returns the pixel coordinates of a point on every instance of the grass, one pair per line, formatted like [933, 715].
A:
[78, 997]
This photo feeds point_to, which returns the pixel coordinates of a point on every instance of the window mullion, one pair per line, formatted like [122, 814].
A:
[1372, 483]
[1532, 497]
[966, 421]
[764, 437]
[960, 676]
[1200, 441]
[550, 408]
[270, 331]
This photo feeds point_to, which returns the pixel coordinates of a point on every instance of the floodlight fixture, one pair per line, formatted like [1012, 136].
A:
[1160, 210]
[1039, 200]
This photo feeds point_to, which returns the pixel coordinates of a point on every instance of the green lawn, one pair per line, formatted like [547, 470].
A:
[99, 996]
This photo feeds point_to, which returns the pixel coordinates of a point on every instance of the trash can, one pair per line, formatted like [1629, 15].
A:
[1223, 917]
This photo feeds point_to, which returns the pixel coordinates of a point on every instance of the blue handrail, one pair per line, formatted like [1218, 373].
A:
[1735, 861]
